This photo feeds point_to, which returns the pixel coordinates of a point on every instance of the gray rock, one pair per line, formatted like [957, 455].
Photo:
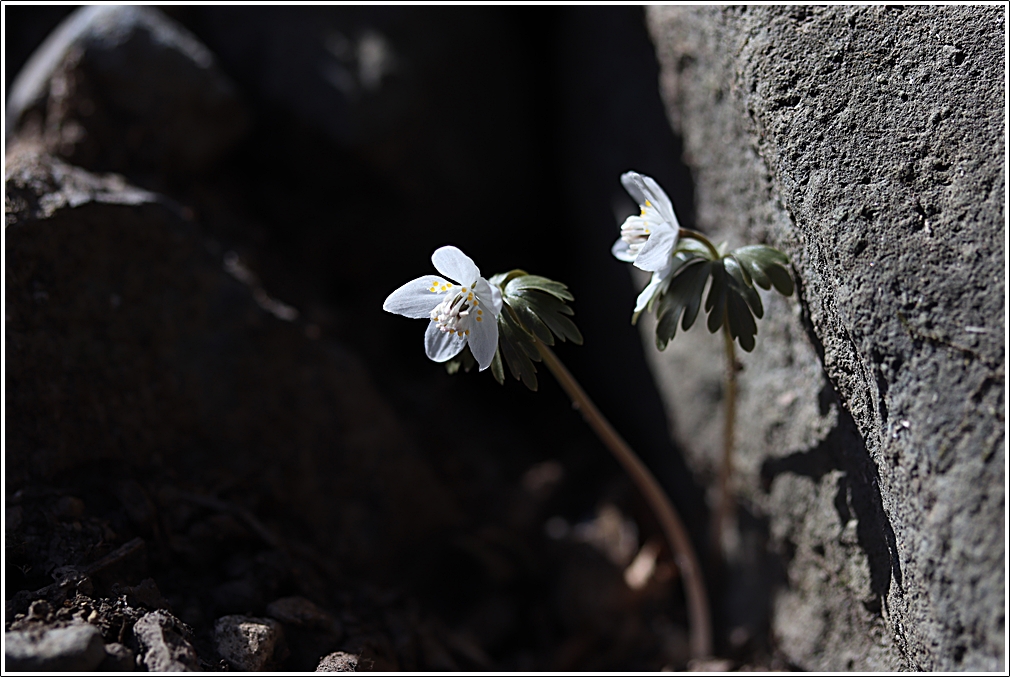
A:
[339, 661]
[126, 88]
[246, 642]
[118, 658]
[72, 648]
[868, 144]
[164, 643]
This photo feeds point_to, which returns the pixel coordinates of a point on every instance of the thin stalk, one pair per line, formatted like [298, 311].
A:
[669, 520]
[695, 235]
[726, 505]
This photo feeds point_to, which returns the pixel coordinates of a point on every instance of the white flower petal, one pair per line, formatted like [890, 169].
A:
[490, 295]
[483, 340]
[650, 290]
[644, 188]
[655, 253]
[442, 346]
[416, 298]
[455, 265]
[620, 251]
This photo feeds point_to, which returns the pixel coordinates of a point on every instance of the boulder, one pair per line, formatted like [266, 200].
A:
[80, 93]
[867, 143]
[128, 343]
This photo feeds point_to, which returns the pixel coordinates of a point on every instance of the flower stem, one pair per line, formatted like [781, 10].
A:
[695, 235]
[673, 527]
[725, 508]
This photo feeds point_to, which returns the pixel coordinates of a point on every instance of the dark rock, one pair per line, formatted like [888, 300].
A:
[868, 144]
[302, 613]
[123, 328]
[76, 648]
[118, 658]
[310, 632]
[164, 643]
[246, 642]
[338, 661]
[127, 89]
[144, 594]
[239, 596]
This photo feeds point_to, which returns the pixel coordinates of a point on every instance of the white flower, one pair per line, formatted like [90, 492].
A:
[649, 238]
[462, 310]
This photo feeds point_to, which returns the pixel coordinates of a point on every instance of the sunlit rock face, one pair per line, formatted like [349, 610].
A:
[866, 143]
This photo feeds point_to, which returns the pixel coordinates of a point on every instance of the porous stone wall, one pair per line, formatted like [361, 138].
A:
[867, 143]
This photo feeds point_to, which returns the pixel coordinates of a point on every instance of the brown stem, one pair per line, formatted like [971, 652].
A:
[669, 520]
[725, 507]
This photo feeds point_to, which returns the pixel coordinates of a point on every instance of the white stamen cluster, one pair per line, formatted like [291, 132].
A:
[636, 230]
[456, 313]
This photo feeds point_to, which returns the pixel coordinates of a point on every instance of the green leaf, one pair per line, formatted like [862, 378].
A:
[522, 283]
[694, 288]
[715, 304]
[501, 280]
[553, 313]
[763, 255]
[497, 370]
[465, 359]
[781, 279]
[733, 267]
[739, 280]
[528, 317]
[684, 293]
[514, 343]
[741, 323]
[768, 266]
[692, 247]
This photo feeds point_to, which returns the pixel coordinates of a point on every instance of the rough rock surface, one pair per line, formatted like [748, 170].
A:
[868, 144]
[164, 643]
[338, 661]
[246, 642]
[72, 648]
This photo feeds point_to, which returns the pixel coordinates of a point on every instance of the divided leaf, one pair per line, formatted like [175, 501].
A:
[732, 300]
[518, 284]
[534, 309]
[683, 295]
[516, 345]
[767, 266]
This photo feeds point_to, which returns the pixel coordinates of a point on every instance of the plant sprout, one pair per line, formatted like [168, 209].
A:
[531, 312]
[683, 266]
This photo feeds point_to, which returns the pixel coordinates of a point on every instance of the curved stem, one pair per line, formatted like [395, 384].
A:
[669, 520]
[725, 510]
[695, 235]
